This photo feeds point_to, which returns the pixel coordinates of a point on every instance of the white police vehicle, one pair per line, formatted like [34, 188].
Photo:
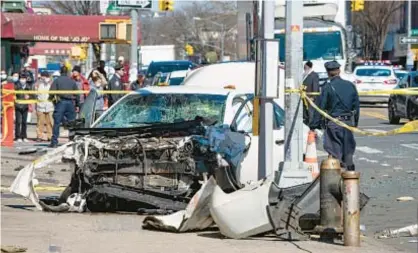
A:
[375, 76]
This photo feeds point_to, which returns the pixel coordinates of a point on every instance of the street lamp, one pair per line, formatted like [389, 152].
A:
[222, 26]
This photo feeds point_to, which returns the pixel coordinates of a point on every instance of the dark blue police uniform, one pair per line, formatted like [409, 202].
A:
[339, 98]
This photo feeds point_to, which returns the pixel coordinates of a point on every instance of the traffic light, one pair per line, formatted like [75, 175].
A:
[357, 5]
[189, 50]
[166, 5]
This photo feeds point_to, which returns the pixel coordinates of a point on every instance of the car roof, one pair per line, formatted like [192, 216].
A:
[374, 67]
[171, 62]
[183, 90]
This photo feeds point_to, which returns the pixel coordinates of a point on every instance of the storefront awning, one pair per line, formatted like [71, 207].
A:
[54, 28]
[52, 49]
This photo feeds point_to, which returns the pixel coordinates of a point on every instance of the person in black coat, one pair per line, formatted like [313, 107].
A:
[115, 84]
[339, 98]
[311, 81]
[21, 110]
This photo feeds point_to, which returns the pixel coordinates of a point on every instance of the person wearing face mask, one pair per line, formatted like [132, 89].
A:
[21, 110]
[55, 75]
[311, 81]
[44, 108]
[15, 78]
[30, 77]
[3, 75]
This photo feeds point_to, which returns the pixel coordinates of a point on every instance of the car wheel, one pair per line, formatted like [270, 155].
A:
[393, 119]
[411, 113]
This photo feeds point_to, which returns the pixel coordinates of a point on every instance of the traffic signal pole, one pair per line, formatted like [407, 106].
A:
[133, 70]
[410, 57]
[269, 59]
[292, 171]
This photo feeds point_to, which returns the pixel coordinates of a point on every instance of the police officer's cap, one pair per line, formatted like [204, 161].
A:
[118, 67]
[332, 65]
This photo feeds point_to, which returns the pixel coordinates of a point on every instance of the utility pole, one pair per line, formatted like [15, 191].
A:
[268, 91]
[292, 171]
[133, 71]
[410, 56]
[222, 42]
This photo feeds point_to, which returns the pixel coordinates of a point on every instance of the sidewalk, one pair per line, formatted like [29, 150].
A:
[102, 233]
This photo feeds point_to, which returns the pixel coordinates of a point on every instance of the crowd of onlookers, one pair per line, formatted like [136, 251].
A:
[51, 110]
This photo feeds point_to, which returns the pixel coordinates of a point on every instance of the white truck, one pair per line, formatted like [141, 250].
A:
[324, 33]
[157, 53]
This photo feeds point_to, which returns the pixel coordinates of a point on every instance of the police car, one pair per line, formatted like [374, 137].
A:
[374, 76]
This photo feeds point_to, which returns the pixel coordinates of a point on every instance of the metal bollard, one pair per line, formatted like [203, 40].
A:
[330, 199]
[351, 199]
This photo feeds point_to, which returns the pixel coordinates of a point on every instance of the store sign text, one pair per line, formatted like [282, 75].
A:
[75, 39]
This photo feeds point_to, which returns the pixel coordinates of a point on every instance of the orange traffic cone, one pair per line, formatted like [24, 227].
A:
[311, 158]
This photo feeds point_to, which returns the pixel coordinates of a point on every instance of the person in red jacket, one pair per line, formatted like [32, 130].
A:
[125, 77]
[82, 83]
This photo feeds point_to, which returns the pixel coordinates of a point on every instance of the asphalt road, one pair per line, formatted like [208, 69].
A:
[389, 169]
[388, 166]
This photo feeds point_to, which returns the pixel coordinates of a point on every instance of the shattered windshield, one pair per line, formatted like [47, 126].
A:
[146, 109]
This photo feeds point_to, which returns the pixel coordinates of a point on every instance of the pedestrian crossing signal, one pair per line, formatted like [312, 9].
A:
[166, 5]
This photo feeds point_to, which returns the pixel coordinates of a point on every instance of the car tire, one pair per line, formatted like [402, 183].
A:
[393, 119]
[409, 112]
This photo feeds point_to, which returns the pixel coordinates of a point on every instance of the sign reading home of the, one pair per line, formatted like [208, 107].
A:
[74, 39]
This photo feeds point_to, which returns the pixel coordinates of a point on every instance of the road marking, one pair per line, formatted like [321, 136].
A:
[385, 164]
[413, 146]
[369, 150]
[367, 160]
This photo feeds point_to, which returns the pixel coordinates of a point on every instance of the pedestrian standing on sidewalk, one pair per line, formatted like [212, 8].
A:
[115, 84]
[66, 105]
[21, 109]
[96, 83]
[82, 83]
[339, 98]
[44, 108]
[311, 81]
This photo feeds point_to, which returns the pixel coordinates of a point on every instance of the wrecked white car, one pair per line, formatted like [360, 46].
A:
[150, 150]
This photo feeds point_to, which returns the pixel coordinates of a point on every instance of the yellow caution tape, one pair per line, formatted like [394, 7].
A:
[407, 91]
[407, 128]
[47, 188]
[39, 188]
[74, 92]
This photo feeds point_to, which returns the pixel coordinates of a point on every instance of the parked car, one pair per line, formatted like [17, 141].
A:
[373, 78]
[163, 68]
[404, 106]
[176, 77]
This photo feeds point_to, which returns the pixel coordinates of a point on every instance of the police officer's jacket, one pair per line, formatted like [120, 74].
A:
[65, 83]
[333, 94]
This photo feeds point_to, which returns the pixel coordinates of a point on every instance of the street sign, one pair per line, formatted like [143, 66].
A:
[409, 40]
[139, 4]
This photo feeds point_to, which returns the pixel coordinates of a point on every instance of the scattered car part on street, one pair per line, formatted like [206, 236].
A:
[411, 230]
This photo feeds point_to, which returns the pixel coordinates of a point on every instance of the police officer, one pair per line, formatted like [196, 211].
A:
[339, 98]
[115, 84]
[66, 105]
